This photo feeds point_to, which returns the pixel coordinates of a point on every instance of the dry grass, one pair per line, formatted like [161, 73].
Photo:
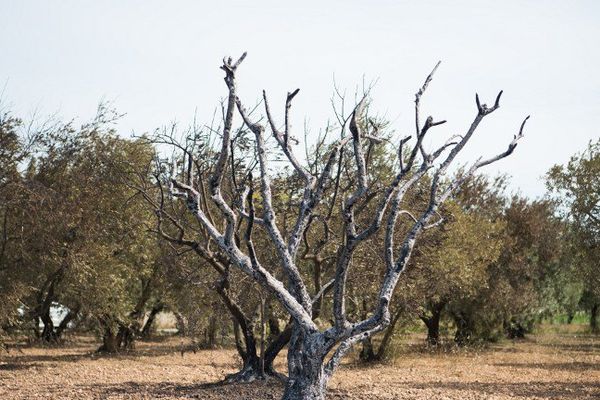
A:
[547, 366]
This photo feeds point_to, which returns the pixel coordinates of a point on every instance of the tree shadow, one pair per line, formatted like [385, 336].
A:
[536, 389]
[272, 389]
[132, 354]
[258, 390]
[18, 366]
[567, 366]
[576, 347]
[36, 358]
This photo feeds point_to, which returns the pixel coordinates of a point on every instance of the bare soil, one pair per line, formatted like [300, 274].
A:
[545, 366]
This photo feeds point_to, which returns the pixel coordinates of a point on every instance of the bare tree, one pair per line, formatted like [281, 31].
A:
[314, 353]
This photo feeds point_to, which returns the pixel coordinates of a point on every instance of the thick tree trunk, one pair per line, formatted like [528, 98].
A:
[306, 374]
[433, 330]
[594, 318]
[110, 342]
[116, 339]
[433, 323]
[50, 333]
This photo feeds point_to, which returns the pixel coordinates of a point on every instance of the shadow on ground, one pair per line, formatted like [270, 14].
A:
[259, 390]
[568, 366]
[273, 390]
[537, 389]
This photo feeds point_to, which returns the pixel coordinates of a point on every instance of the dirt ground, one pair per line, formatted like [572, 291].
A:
[545, 366]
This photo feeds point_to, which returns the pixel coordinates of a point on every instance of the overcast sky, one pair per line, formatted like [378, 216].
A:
[158, 62]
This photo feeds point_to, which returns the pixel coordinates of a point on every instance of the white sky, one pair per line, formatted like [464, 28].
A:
[158, 62]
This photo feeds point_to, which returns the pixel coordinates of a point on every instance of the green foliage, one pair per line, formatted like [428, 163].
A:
[576, 186]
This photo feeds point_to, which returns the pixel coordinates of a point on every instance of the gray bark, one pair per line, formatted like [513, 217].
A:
[308, 368]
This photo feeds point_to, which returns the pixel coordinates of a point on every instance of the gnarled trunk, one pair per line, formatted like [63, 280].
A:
[306, 374]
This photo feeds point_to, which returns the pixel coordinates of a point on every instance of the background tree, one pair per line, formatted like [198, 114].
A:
[82, 242]
[577, 186]
[12, 152]
[514, 294]
[454, 266]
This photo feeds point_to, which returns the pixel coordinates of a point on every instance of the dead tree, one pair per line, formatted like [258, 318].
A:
[314, 354]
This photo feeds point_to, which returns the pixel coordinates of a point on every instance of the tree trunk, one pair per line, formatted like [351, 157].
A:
[45, 298]
[71, 315]
[246, 345]
[367, 353]
[126, 337]
[515, 330]
[306, 375]
[48, 334]
[110, 342]
[463, 329]
[433, 323]
[275, 347]
[387, 336]
[151, 317]
[594, 318]
[250, 370]
[211, 333]
[181, 324]
[36, 327]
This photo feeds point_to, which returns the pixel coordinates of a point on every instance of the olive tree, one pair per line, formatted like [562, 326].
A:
[315, 352]
[577, 185]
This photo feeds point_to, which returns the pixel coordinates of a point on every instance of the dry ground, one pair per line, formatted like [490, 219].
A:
[545, 366]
